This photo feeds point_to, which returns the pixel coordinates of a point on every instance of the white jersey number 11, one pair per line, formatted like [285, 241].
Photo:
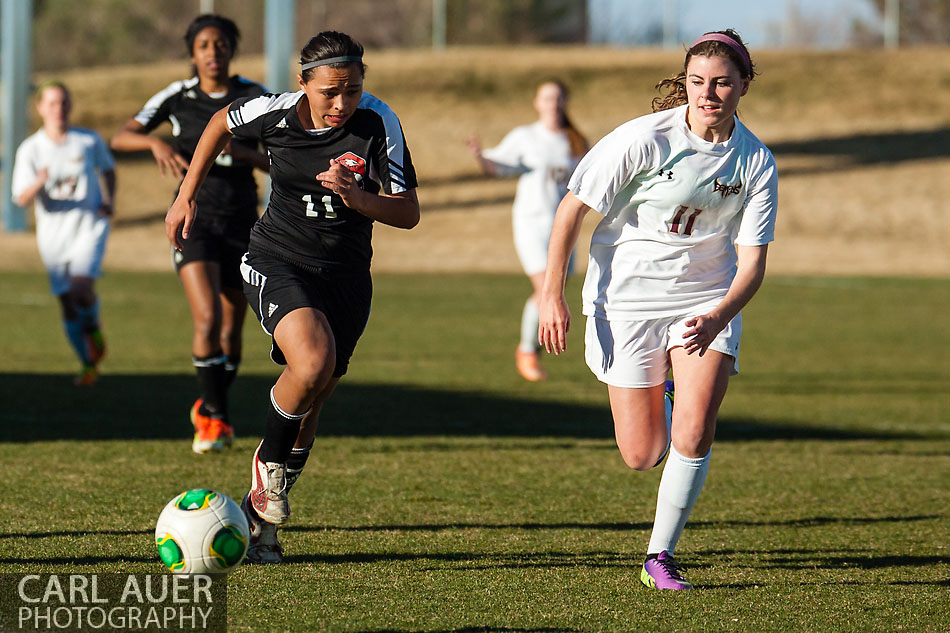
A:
[327, 205]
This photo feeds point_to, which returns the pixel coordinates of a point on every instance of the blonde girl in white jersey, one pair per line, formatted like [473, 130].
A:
[68, 174]
[543, 154]
[688, 196]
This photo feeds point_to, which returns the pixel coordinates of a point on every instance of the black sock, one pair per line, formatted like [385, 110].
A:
[211, 380]
[230, 370]
[280, 433]
[296, 462]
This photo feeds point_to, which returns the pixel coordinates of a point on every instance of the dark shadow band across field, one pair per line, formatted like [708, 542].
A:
[614, 526]
[862, 150]
[44, 407]
[779, 558]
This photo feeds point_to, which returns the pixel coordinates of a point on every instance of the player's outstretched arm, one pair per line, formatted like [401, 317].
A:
[474, 144]
[555, 319]
[132, 137]
[182, 212]
[400, 210]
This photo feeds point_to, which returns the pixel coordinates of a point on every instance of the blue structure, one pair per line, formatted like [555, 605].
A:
[17, 64]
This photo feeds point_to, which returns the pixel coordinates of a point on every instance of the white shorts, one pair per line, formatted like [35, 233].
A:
[531, 242]
[72, 244]
[635, 354]
[532, 235]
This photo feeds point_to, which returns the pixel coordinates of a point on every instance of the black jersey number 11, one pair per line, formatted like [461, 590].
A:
[327, 205]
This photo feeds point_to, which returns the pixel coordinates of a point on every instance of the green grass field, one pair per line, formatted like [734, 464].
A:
[445, 494]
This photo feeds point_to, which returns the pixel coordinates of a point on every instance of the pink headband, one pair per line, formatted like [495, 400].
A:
[731, 43]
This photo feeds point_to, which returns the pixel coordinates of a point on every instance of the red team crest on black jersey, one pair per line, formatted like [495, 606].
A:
[352, 162]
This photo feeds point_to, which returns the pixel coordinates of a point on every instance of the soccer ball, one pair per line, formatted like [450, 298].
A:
[201, 531]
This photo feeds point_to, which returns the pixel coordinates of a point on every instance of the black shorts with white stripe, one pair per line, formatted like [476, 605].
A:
[274, 288]
[221, 240]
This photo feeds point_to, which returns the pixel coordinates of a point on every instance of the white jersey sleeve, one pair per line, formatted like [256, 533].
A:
[610, 165]
[757, 226]
[24, 168]
[508, 156]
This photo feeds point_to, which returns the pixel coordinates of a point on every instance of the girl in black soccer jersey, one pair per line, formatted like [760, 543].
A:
[338, 162]
[208, 263]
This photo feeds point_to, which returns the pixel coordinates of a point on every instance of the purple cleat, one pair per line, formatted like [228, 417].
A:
[661, 571]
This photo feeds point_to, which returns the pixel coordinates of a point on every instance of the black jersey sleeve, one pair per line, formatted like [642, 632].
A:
[246, 117]
[157, 109]
[396, 173]
[245, 120]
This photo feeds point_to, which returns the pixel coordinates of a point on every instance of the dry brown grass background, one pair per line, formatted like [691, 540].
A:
[862, 140]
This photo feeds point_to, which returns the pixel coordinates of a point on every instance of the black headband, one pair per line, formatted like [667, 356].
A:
[331, 60]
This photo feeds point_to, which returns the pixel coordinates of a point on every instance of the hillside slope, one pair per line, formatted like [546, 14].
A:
[862, 139]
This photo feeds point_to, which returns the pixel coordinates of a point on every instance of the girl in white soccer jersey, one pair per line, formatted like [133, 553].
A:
[688, 196]
[544, 153]
[59, 169]
[209, 263]
[339, 162]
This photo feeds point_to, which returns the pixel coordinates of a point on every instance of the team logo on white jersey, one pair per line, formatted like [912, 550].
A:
[726, 189]
[353, 162]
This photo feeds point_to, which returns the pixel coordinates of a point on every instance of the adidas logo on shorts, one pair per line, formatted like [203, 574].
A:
[271, 308]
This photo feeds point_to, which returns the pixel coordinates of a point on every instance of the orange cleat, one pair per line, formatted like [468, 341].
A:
[529, 365]
[87, 376]
[211, 434]
[223, 430]
[96, 344]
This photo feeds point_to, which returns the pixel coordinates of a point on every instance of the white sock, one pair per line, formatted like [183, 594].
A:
[680, 485]
[530, 320]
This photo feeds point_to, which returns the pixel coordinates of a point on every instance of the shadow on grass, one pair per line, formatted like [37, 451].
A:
[74, 533]
[933, 583]
[782, 558]
[860, 150]
[78, 560]
[478, 561]
[618, 526]
[812, 560]
[41, 407]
